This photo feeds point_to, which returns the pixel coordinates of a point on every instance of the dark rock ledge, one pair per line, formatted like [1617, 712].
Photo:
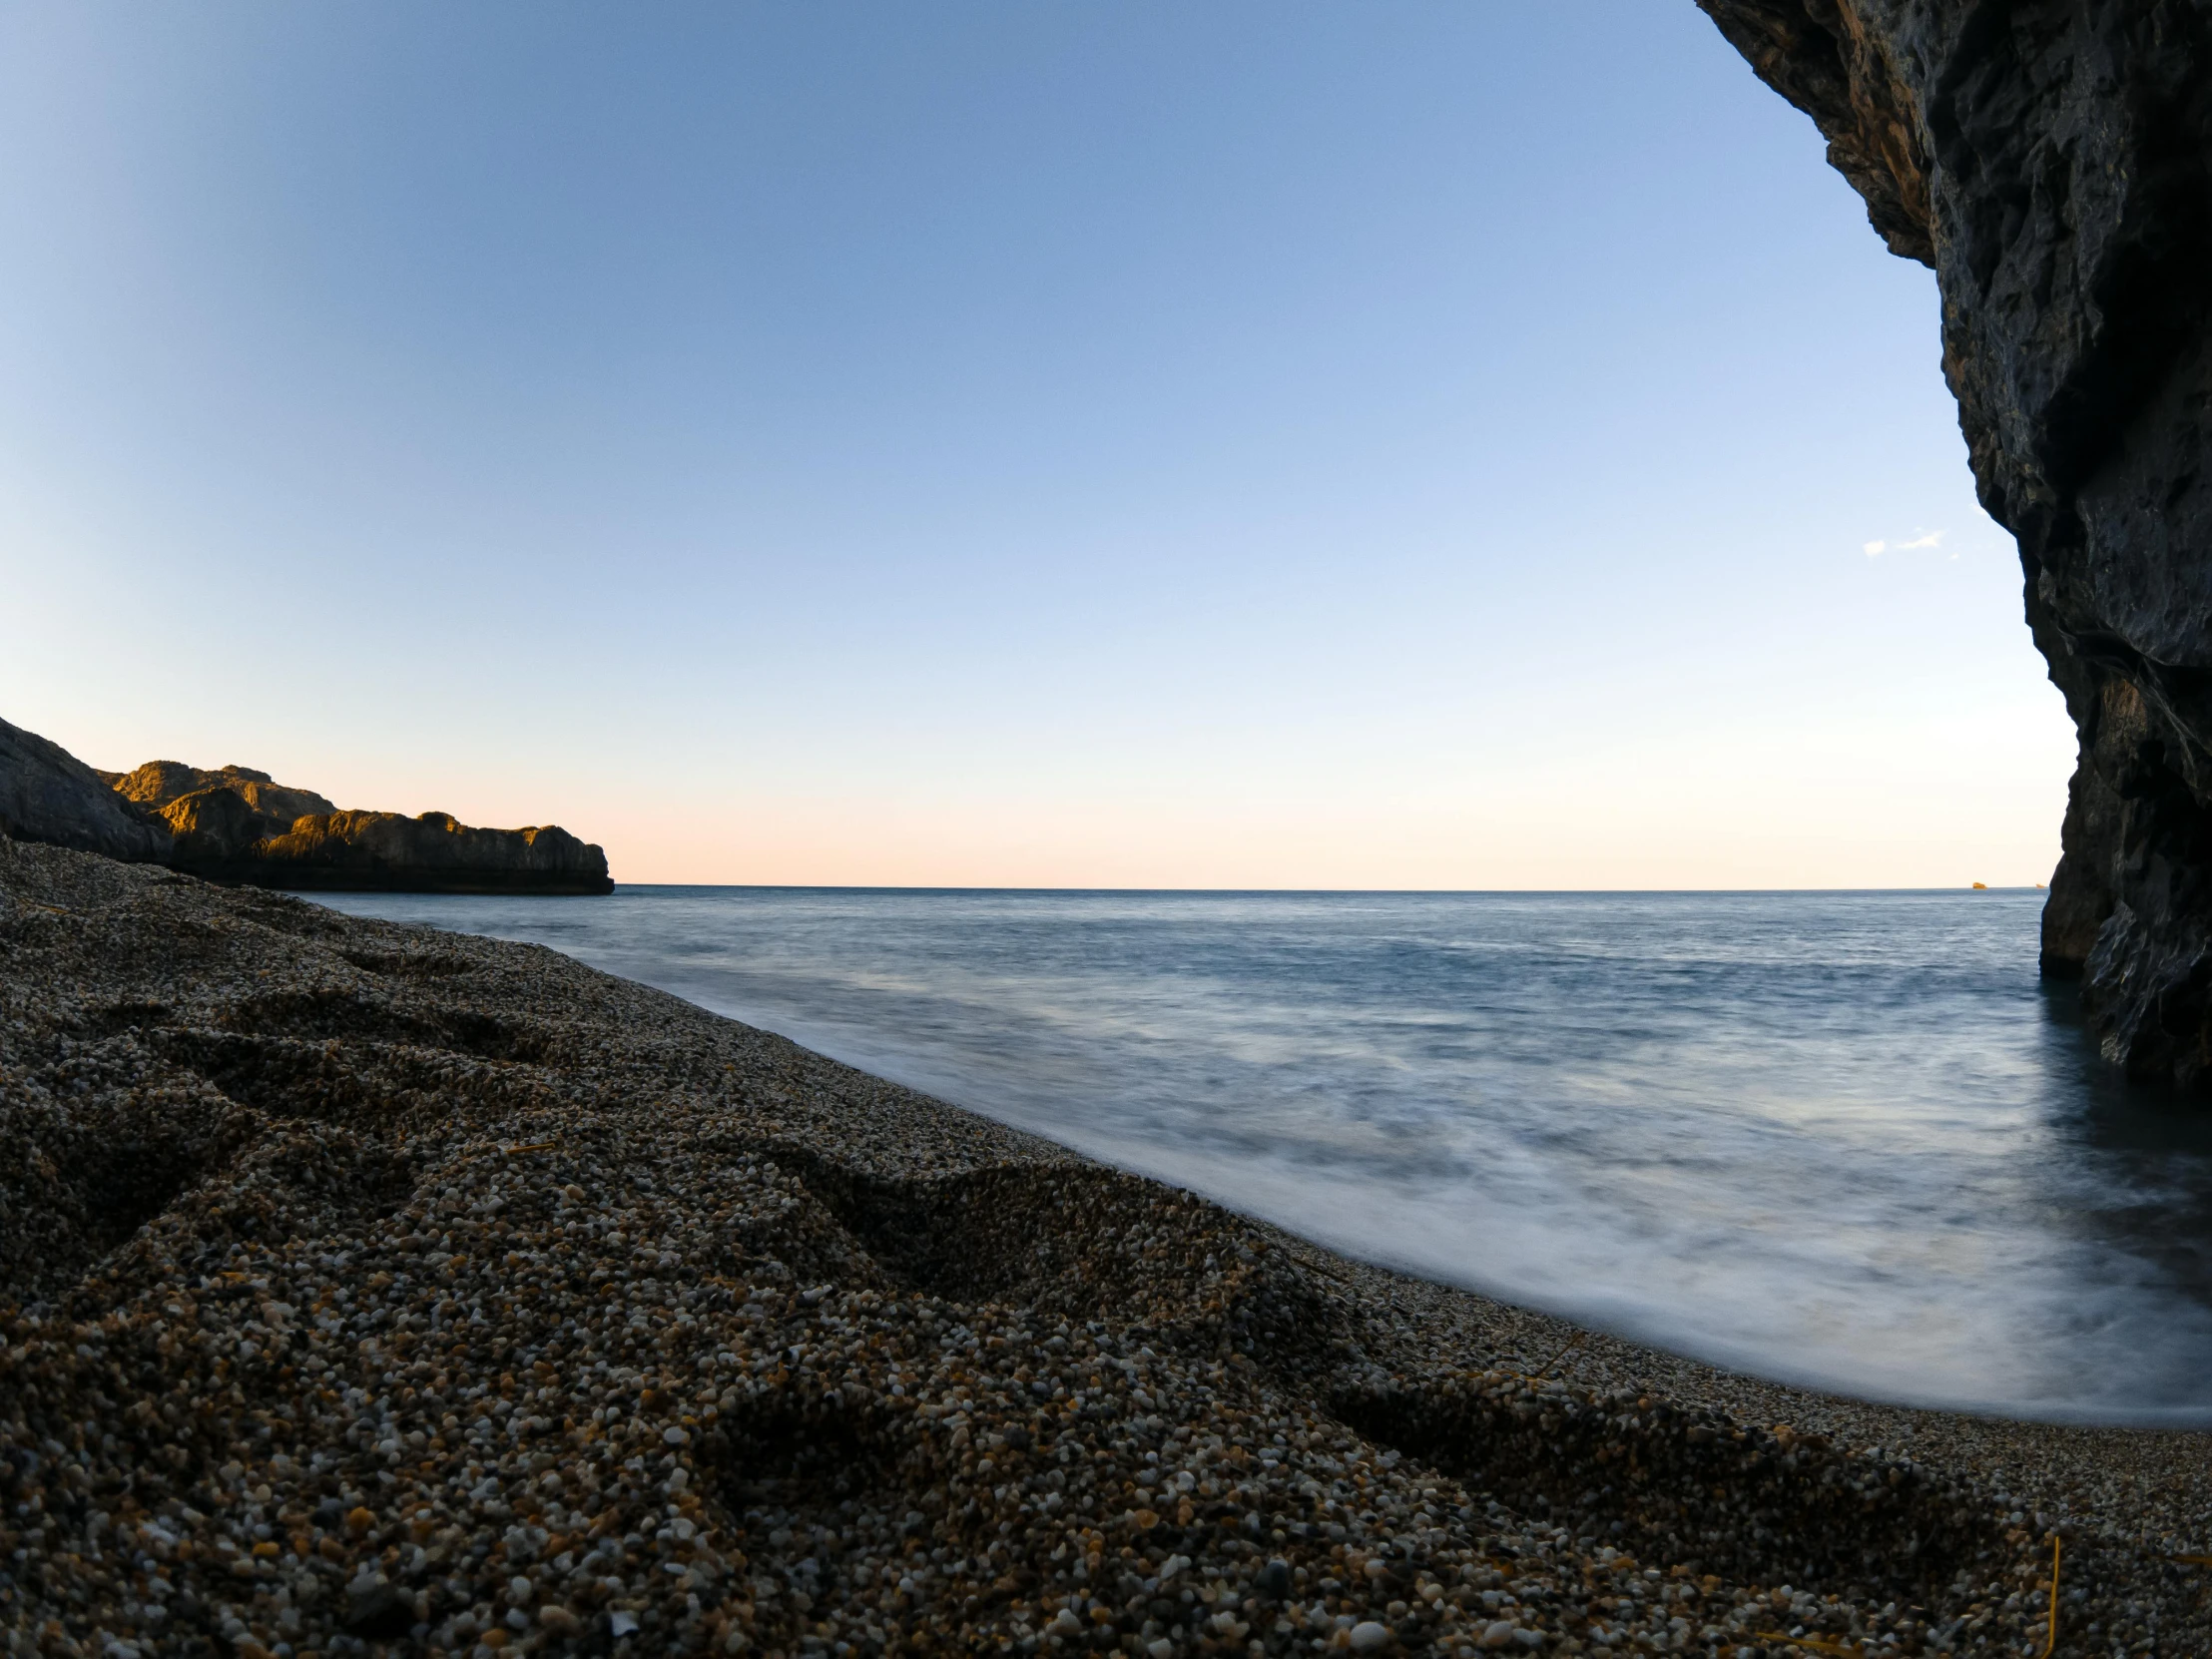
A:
[2051, 160]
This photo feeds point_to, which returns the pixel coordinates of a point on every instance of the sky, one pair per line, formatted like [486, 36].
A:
[1444, 443]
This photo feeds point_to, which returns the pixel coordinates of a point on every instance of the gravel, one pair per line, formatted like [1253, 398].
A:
[364, 1288]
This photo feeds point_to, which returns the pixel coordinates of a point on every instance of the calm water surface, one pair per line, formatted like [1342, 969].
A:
[1845, 1139]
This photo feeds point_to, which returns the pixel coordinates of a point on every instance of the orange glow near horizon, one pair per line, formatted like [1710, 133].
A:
[1846, 811]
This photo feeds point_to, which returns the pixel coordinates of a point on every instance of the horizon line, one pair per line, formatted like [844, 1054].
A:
[1317, 893]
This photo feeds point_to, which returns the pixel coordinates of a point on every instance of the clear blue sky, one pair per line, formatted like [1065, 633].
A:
[1415, 444]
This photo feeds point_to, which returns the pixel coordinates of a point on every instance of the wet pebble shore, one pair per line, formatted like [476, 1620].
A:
[365, 1288]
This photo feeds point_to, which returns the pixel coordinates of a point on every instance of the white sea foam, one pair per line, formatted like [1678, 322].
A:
[1841, 1139]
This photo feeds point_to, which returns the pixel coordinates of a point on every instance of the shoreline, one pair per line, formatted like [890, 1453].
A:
[519, 1306]
[1402, 1177]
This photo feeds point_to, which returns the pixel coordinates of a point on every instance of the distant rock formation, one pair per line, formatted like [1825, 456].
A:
[242, 826]
[221, 837]
[48, 795]
[2052, 162]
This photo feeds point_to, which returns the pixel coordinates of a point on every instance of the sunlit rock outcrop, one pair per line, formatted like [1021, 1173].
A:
[432, 852]
[157, 784]
[2052, 160]
[240, 826]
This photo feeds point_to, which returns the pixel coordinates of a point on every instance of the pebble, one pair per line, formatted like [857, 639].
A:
[370, 1289]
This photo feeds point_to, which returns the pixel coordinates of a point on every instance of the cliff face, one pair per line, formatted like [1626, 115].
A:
[48, 795]
[2052, 160]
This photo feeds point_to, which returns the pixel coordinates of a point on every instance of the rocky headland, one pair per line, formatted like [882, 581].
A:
[2052, 162]
[368, 1289]
[240, 826]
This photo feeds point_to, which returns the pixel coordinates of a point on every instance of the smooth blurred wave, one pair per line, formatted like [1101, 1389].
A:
[1841, 1139]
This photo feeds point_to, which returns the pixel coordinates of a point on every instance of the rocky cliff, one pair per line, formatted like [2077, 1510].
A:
[48, 795]
[2051, 160]
[242, 826]
[379, 852]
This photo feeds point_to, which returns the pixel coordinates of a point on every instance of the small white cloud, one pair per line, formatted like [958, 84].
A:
[1921, 539]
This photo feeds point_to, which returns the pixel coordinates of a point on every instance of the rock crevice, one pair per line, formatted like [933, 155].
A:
[2051, 160]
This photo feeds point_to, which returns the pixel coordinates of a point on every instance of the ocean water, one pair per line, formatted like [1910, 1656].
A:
[1841, 1139]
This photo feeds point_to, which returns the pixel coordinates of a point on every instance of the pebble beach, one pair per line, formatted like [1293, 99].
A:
[368, 1289]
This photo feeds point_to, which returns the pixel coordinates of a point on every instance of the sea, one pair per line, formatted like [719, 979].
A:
[1841, 1139]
